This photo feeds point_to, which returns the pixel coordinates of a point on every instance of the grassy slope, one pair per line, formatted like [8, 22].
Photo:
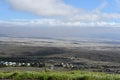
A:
[51, 75]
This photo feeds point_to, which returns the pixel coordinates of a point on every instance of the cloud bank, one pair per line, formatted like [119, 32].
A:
[57, 23]
[61, 14]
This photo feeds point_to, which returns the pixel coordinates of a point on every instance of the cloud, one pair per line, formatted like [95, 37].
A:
[57, 8]
[96, 16]
[71, 16]
[44, 7]
[57, 23]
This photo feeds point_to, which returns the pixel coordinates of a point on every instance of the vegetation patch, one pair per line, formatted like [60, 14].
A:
[55, 75]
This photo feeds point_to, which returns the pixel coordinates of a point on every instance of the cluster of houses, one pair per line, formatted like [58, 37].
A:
[20, 64]
[74, 65]
[55, 65]
[38, 64]
[67, 65]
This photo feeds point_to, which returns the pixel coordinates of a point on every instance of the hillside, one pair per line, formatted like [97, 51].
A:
[59, 48]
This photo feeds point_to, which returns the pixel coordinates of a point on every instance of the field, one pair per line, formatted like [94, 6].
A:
[55, 75]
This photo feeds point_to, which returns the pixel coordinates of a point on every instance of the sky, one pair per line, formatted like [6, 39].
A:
[57, 13]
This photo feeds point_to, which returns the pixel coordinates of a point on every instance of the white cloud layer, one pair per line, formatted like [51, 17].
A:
[57, 23]
[71, 16]
[44, 7]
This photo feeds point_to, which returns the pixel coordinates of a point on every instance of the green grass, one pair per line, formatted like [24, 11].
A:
[54, 75]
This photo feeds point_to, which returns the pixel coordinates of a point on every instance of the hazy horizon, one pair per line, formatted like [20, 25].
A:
[77, 33]
[72, 19]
